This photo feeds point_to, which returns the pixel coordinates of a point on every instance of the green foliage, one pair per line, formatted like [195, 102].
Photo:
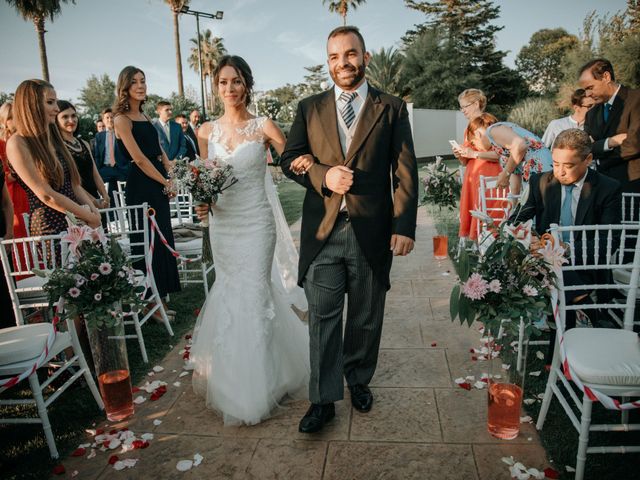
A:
[5, 97]
[315, 79]
[149, 106]
[98, 94]
[540, 60]
[342, 7]
[86, 127]
[182, 104]
[534, 114]
[384, 70]
[441, 186]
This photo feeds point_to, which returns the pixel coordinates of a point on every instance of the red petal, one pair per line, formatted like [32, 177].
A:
[58, 469]
[196, 312]
[135, 390]
[78, 452]
[547, 368]
[99, 431]
[472, 350]
[485, 380]
[551, 473]
[106, 443]
[188, 335]
[185, 356]
[113, 459]
[113, 432]
[145, 444]
[474, 358]
[433, 344]
[466, 386]
[138, 444]
[154, 397]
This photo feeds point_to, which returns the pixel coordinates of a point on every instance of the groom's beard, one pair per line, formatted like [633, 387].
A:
[350, 83]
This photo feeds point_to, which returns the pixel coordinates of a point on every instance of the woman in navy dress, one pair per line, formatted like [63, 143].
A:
[148, 177]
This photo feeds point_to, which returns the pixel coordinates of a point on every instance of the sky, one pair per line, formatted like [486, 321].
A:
[278, 38]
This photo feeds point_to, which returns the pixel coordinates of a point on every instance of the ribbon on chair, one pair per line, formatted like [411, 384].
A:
[151, 213]
[7, 383]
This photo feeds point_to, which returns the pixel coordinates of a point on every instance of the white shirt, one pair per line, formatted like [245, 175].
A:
[556, 126]
[610, 102]
[167, 130]
[575, 195]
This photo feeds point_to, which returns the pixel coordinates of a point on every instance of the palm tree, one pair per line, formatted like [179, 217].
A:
[384, 69]
[342, 7]
[37, 11]
[212, 50]
[176, 6]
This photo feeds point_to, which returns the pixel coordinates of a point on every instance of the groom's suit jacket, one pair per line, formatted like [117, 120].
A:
[383, 199]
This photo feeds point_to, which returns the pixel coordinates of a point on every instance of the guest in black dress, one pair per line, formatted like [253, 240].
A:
[138, 140]
[42, 163]
[7, 318]
[91, 180]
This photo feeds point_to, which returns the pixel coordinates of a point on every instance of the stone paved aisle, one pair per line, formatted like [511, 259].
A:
[422, 425]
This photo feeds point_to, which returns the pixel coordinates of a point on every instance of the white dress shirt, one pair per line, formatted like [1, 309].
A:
[610, 102]
[556, 126]
[167, 130]
[575, 195]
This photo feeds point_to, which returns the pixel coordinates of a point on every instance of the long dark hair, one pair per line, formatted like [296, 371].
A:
[125, 78]
[242, 69]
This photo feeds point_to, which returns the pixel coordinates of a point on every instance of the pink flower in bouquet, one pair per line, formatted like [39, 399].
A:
[495, 286]
[74, 292]
[476, 287]
[94, 276]
[80, 280]
[97, 235]
[105, 268]
[521, 232]
[75, 235]
[553, 256]
[530, 291]
[97, 297]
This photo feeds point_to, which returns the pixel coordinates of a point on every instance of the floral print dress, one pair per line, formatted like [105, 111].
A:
[537, 158]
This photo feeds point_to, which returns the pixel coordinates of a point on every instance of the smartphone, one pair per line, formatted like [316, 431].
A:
[454, 144]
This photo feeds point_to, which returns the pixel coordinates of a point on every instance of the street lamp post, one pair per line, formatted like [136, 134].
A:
[214, 16]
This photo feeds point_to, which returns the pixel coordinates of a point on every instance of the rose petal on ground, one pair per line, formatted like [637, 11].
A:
[183, 374]
[176, 384]
[84, 445]
[508, 460]
[535, 374]
[188, 335]
[158, 369]
[119, 465]
[92, 453]
[130, 462]
[569, 468]
[535, 473]
[157, 422]
[470, 378]
[434, 344]
[526, 419]
[540, 396]
[540, 355]
[112, 459]
[184, 465]
[465, 385]
[147, 436]
[529, 401]
[506, 366]
[58, 469]
[115, 443]
[151, 374]
[79, 452]
[74, 473]
[479, 385]
[460, 380]
[185, 356]
[197, 459]
[551, 473]
[135, 390]
[139, 399]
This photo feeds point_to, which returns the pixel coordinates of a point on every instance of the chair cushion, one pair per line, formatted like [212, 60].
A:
[32, 282]
[189, 247]
[23, 342]
[605, 356]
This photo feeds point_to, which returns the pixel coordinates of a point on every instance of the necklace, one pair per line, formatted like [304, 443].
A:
[73, 144]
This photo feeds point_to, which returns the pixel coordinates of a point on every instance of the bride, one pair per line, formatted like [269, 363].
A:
[249, 349]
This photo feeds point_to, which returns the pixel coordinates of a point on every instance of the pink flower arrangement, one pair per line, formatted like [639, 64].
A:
[105, 268]
[475, 288]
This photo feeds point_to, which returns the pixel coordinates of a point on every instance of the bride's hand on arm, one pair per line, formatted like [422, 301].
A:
[203, 139]
[276, 138]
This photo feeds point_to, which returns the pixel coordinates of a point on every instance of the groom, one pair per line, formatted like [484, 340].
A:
[360, 210]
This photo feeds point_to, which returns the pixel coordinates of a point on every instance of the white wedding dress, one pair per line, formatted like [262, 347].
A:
[249, 348]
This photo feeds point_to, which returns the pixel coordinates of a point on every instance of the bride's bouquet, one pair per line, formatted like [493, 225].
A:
[203, 179]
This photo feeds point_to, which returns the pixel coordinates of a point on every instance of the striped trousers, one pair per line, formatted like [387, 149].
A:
[339, 268]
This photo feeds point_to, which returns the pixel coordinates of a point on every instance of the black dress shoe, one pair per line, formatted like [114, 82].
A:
[361, 397]
[316, 417]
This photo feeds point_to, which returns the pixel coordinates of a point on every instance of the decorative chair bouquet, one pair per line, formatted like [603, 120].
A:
[94, 282]
[441, 186]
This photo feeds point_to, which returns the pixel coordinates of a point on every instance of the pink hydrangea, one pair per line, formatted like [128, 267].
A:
[495, 286]
[475, 288]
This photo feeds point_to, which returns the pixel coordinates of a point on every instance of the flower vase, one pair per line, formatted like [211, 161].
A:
[505, 387]
[109, 351]
[440, 247]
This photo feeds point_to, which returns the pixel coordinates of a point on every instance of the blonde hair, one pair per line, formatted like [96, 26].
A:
[125, 79]
[43, 138]
[6, 114]
[474, 95]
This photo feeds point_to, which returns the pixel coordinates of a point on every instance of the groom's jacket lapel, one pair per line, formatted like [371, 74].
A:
[326, 109]
[371, 112]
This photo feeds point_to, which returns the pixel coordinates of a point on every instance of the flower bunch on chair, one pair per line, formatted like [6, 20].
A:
[441, 186]
[204, 179]
[510, 276]
[95, 279]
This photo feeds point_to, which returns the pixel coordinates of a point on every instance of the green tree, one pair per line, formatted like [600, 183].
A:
[212, 49]
[534, 114]
[38, 11]
[342, 7]
[540, 60]
[384, 70]
[182, 104]
[97, 94]
[315, 78]
[149, 106]
[176, 6]
[5, 97]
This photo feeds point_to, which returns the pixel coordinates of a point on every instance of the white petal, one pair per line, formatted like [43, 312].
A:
[529, 401]
[158, 369]
[508, 460]
[74, 473]
[506, 366]
[197, 459]
[184, 465]
[115, 443]
[147, 436]
[139, 399]
[176, 384]
[92, 453]
[526, 419]
[540, 355]
[534, 472]
[151, 374]
[119, 465]
[84, 445]
[569, 468]
[157, 422]
[520, 466]
[460, 380]
[479, 385]
[535, 374]
[470, 378]
[183, 374]
[130, 462]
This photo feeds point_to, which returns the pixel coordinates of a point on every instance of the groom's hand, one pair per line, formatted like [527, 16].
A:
[401, 245]
[339, 179]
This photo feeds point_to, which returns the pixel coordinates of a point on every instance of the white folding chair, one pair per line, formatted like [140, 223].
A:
[121, 185]
[132, 233]
[20, 257]
[604, 360]
[20, 348]
[630, 208]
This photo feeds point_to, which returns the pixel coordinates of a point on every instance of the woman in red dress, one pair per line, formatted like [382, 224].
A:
[16, 192]
[477, 162]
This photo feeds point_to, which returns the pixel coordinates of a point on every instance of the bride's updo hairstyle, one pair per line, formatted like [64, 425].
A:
[242, 69]
[125, 79]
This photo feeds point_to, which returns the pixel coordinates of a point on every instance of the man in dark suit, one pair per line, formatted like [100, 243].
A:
[359, 210]
[572, 194]
[170, 133]
[190, 138]
[111, 164]
[613, 123]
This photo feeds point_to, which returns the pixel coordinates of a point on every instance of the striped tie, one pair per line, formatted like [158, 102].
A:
[348, 115]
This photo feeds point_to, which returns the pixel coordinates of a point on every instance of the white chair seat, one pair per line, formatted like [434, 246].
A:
[604, 356]
[189, 247]
[23, 342]
[623, 277]
[34, 282]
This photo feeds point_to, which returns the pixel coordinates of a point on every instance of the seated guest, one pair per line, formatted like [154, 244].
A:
[190, 137]
[67, 120]
[613, 123]
[170, 133]
[571, 194]
[7, 319]
[477, 162]
[521, 153]
[580, 104]
[112, 165]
